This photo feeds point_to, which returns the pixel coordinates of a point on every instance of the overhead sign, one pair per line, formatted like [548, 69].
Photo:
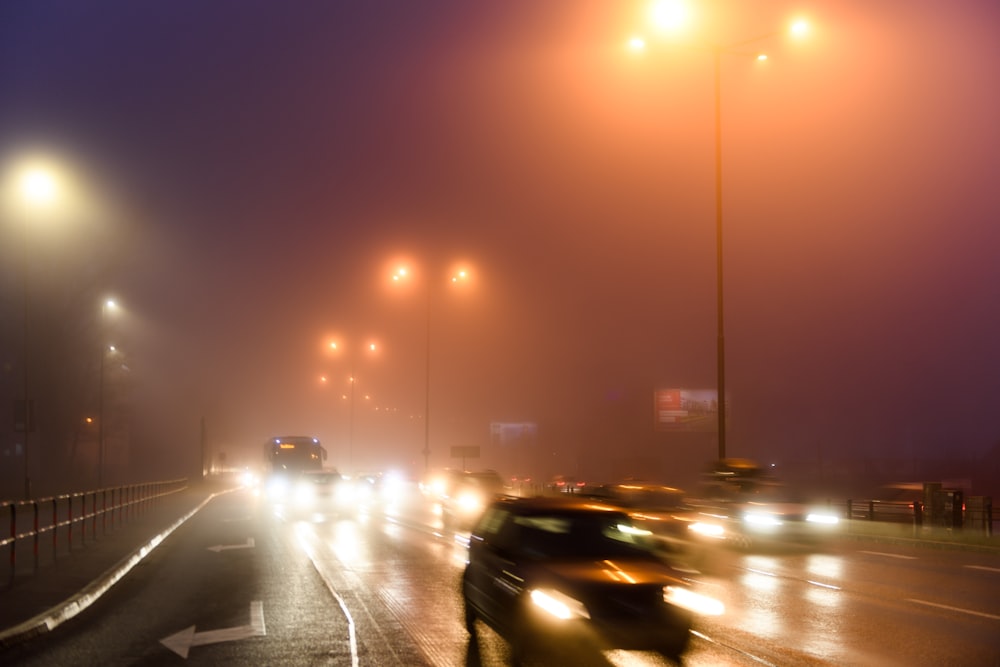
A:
[465, 452]
[691, 410]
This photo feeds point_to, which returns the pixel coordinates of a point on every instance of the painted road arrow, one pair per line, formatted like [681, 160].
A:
[223, 547]
[181, 642]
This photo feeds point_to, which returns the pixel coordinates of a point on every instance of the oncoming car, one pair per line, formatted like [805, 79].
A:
[575, 573]
[466, 494]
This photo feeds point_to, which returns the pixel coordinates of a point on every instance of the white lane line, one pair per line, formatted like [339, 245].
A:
[983, 567]
[753, 657]
[351, 630]
[882, 553]
[958, 609]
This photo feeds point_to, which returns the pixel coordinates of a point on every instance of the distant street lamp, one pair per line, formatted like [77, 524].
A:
[106, 306]
[674, 17]
[353, 380]
[402, 274]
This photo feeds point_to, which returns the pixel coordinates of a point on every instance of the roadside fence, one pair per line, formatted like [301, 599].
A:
[38, 532]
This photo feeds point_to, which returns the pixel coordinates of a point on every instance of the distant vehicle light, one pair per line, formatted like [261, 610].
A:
[695, 602]
[559, 604]
[818, 517]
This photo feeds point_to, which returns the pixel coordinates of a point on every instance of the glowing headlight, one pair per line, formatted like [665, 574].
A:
[758, 519]
[277, 487]
[469, 502]
[305, 493]
[696, 602]
[817, 517]
[632, 530]
[707, 529]
[559, 604]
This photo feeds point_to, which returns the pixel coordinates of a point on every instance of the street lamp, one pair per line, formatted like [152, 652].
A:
[677, 16]
[37, 188]
[106, 306]
[371, 348]
[402, 274]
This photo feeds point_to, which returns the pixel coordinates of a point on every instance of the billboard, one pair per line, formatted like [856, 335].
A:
[688, 410]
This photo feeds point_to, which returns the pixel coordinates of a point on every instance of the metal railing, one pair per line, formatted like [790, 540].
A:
[974, 515]
[38, 532]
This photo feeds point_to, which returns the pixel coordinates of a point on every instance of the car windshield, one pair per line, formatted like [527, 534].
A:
[579, 535]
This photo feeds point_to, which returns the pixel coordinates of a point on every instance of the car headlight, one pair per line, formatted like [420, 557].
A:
[823, 517]
[695, 602]
[277, 487]
[305, 493]
[558, 604]
[707, 529]
[469, 502]
[761, 519]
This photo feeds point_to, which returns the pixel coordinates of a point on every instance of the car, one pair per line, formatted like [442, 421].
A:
[566, 571]
[314, 491]
[772, 516]
[666, 512]
[757, 510]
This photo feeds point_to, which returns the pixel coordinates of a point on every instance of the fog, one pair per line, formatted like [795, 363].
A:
[254, 173]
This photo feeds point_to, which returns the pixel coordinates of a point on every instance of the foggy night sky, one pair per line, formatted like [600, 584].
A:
[258, 166]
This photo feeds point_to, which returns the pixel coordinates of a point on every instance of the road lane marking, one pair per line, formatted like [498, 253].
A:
[351, 630]
[983, 567]
[249, 544]
[958, 609]
[182, 642]
[882, 553]
[717, 642]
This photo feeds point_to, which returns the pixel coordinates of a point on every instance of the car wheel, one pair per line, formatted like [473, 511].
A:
[675, 641]
[470, 618]
[522, 644]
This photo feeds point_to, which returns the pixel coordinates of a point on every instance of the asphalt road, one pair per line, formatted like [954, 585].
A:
[244, 582]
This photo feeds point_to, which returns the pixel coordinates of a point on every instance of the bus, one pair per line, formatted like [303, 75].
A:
[293, 455]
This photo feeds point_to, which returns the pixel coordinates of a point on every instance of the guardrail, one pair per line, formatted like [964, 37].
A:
[66, 522]
[974, 515]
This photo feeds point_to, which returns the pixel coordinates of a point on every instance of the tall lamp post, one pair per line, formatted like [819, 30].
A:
[797, 29]
[38, 188]
[106, 306]
[353, 380]
[458, 276]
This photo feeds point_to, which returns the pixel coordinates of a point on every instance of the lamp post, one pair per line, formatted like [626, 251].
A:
[38, 188]
[353, 380]
[675, 17]
[460, 275]
[108, 304]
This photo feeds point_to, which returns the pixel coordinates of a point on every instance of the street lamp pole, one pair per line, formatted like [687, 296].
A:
[26, 415]
[108, 303]
[38, 188]
[720, 319]
[427, 386]
[674, 18]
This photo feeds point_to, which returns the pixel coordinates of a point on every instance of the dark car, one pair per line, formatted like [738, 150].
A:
[578, 571]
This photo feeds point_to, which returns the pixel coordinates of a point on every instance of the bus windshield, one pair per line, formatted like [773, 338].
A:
[294, 454]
